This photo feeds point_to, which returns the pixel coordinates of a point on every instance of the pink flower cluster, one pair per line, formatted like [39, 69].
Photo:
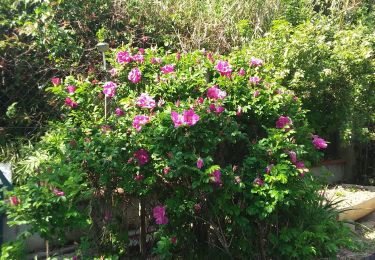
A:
[109, 89]
[216, 109]
[283, 121]
[258, 181]
[119, 112]
[155, 60]
[216, 93]
[123, 57]
[55, 81]
[166, 170]
[293, 159]
[138, 58]
[135, 75]
[113, 72]
[292, 156]
[224, 68]
[300, 165]
[71, 89]
[167, 69]
[14, 201]
[70, 103]
[145, 101]
[254, 80]
[216, 176]
[188, 117]
[200, 163]
[142, 156]
[58, 193]
[256, 62]
[139, 121]
[160, 215]
[242, 72]
[319, 143]
[269, 168]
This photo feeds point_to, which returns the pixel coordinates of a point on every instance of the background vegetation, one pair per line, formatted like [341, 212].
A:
[321, 49]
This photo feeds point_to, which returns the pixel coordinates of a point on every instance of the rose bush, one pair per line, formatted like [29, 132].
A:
[221, 159]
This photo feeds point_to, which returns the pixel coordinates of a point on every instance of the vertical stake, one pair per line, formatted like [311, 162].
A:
[103, 47]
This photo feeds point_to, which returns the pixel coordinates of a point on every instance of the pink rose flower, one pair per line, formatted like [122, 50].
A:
[178, 56]
[217, 177]
[155, 60]
[256, 93]
[58, 192]
[70, 103]
[300, 165]
[166, 170]
[135, 75]
[123, 57]
[319, 143]
[113, 72]
[242, 72]
[138, 58]
[145, 101]
[141, 51]
[119, 112]
[200, 100]
[216, 93]
[109, 89]
[219, 109]
[212, 107]
[71, 89]
[258, 181]
[269, 168]
[139, 121]
[177, 119]
[292, 156]
[139, 177]
[200, 163]
[190, 118]
[224, 68]
[254, 80]
[255, 62]
[14, 201]
[283, 121]
[173, 240]
[142, 156]
[167, 69]
[160, 215]
[55, 81]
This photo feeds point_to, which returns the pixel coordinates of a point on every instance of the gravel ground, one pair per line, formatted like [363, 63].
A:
[349, 195]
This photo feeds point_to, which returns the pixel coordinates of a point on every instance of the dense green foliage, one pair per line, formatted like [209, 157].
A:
[310, 53]
[226, 180]
[81, 172]
[331, 67]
